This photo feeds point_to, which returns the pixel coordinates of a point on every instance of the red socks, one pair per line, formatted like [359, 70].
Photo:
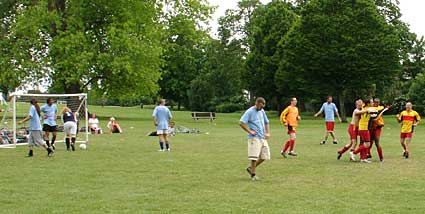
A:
[291, 145]
[358, 150]
[343, 150]
[285, 147]
[381, 155]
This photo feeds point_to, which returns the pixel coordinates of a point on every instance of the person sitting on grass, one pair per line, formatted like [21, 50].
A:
[171, 130]
[113, 126]
[94, 124]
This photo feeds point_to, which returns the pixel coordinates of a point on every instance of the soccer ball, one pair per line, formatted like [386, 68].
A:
[83, 146]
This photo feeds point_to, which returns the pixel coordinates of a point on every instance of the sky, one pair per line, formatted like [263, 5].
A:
[412, 10]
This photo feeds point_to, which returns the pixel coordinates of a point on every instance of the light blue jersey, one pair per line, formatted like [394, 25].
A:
[35, 119]
[162, 115]
[256, 120]
[50, 114]
[329, 109]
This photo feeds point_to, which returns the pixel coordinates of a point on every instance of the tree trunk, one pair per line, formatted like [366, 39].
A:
[341, 100]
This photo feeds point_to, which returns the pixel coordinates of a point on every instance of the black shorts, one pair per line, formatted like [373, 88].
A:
[48, 128]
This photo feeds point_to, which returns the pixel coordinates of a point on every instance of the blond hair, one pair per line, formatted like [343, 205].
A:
[65, 109]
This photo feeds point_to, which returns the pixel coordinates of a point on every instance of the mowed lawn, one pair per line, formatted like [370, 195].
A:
[205, 173]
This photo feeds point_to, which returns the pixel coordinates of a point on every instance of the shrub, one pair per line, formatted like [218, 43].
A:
[228, 107]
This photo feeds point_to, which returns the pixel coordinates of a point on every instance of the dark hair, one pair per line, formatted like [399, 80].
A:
[35, 104]
[48, 100]
[329, 96]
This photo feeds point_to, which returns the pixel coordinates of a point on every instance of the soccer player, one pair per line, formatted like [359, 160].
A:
[289, 118]
[409, 119]
[364, 124]
[255, 122]
[49, 125]
[330, 109]
[376, 129]
[69, 128]
[353, 130]
[161, 118]
[35, 137]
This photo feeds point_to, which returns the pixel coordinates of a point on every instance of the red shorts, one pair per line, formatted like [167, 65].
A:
[291, 129]
[364, 135]
[353, 132]
[406, 135]
[376, 132]
[330, 126]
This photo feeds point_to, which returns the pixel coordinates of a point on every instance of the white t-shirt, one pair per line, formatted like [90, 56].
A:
[94, 123]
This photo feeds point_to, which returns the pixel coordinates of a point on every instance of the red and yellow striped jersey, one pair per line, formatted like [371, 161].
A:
[407, 118]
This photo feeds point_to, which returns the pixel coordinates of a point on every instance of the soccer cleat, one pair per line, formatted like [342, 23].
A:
[352, 156]
[30, 154]
[365, 161]
[382, 160]
[249, 170]
[53, 147]
[168, 150]
[292, 154]
[339, 155]
[323, 143]
[335, 142]
[283, 154]
[73, 146]
[255, 178]
[369, 156]
[161, 150]
[50, 152]
[406, 155]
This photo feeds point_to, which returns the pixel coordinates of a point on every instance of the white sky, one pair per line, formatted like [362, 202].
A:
[413, 13]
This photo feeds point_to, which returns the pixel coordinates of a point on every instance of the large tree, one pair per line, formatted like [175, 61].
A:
[342, 48]
[269, 24]
[88, 44]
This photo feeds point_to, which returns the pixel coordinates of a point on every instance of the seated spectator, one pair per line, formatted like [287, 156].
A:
[94, 124]
[113, 126]
[171, 130]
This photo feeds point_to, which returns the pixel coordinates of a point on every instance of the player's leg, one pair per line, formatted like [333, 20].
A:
[288, 143]
[54, 134]
[46, 134]
[292, 138]
[161, 140]
[335, 141]
[402, 143]
[325, 138]
[407, 144]
[377, 139]
[254, 153]
[167, 144]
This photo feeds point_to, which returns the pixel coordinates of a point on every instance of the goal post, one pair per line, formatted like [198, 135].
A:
[14, 135]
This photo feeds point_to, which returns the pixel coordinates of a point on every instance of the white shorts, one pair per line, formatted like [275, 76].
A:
[36, 138]
[162, 131]
[258, 149]
[70, 128]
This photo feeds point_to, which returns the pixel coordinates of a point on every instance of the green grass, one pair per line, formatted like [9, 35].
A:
[206, 173]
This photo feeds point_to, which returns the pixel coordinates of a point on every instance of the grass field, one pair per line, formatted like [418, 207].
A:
[125, 173]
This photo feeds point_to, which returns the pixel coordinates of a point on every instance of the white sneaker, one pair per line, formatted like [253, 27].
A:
[352, 156]
[161, 150]
[365, 161]
[255, 178]
[168, 150]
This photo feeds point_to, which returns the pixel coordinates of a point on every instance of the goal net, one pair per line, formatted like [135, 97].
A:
[12, 134]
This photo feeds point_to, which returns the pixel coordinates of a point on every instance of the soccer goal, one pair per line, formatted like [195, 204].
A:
[12, 134]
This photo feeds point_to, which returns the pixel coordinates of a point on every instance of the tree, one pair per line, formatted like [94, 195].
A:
[417, 93]
[185, 35]
[342, 48]
[88, 44]
[269, 24]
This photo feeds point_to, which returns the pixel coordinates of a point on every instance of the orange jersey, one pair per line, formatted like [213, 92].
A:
[407, 118]
[289, 116]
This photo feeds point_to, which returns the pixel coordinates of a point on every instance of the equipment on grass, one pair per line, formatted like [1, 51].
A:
[83, 146]
[20, 104]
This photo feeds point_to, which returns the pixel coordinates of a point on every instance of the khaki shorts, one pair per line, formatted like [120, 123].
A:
[36, 139]
[258, 149]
